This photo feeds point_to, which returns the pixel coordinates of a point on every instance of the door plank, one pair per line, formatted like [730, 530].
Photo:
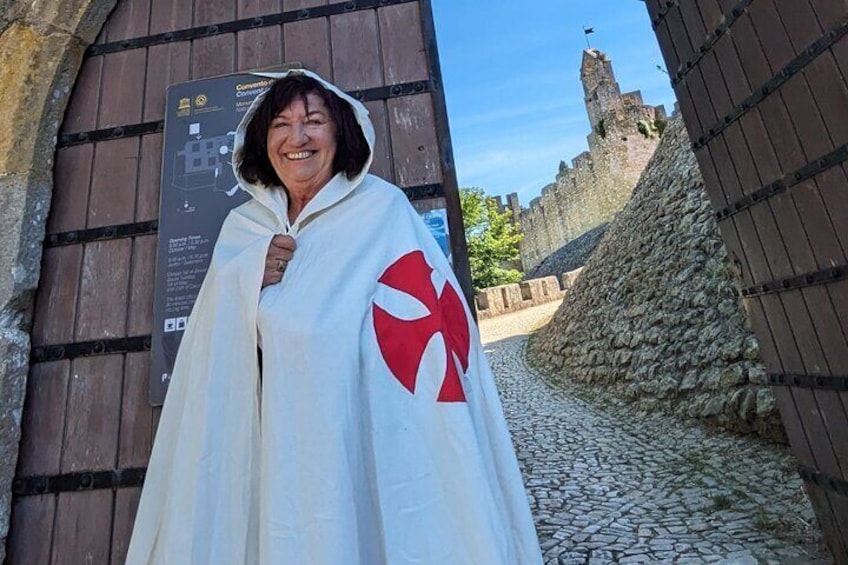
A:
[93, 416]
[81, 114]
[126, 505]
[72, 178]
[122, 93]
[113, 183]
[259, 48]
[308, 42]
[83, 526]
[414, 144]
[404, 57]
[140, 317]
[167, 64]
[170, 15]
[356, 50]
[149, 178]
[31, 530]
[382, 165]
[136, 413]
[103, 290]
[56, 301]
[213, 56]
[43, 422]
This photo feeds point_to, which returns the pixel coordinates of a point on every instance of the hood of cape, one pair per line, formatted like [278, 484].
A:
[275, 197]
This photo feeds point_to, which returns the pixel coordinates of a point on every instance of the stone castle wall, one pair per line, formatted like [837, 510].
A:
[599, 181]
[654, 320]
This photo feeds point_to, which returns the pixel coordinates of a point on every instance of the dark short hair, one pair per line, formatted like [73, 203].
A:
[352, 150]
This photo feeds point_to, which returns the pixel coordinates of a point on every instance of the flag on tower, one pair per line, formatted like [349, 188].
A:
[586, 32]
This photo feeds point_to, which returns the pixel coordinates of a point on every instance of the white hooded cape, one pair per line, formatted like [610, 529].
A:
[374, 435]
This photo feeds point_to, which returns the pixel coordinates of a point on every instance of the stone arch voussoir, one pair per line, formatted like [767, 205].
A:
[42, 44]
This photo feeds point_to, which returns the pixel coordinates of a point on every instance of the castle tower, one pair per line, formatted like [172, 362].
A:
[600, 89]
[624, 133]
[514, 206]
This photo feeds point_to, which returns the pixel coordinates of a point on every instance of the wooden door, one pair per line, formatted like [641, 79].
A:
[763, 87]
[87, 425]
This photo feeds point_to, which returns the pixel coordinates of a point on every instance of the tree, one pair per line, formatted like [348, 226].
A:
[492, 240]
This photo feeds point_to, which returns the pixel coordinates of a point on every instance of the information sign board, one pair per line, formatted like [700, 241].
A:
[197, 191]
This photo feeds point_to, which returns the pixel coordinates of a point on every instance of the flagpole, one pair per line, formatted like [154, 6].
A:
[586, 32]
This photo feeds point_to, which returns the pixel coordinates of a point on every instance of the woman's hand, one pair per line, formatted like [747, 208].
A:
[280, 251]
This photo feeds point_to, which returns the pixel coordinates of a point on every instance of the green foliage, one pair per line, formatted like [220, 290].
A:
[647, 128]
[651, 128]
[601, 129]
[721, 502]
[492, 240]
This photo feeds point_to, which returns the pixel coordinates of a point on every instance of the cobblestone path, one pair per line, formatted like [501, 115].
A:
[608, 486]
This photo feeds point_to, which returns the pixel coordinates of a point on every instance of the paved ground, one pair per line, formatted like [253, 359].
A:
[613, 487]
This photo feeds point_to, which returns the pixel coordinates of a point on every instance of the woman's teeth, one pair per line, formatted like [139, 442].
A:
[299, 155]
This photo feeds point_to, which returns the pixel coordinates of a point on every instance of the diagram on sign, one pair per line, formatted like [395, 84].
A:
[202, 162]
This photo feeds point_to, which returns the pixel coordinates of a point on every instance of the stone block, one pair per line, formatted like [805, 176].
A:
[24, 202]
[14, 365]
[499, 300]
[732, 376]
[714, 407]
[757, 375]
[569, 278]
[80, 18]
[33, 96]
[766, 404]
[711, 378]
[540, 291]
[735, 401]
[748, 406]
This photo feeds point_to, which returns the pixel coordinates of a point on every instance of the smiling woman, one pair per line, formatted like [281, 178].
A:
[302, 135]
[103, 292]
[301, 148]
[380, 438]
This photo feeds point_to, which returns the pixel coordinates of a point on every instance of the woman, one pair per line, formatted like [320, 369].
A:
[374, 434]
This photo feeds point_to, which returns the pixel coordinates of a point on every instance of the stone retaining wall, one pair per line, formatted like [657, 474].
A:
[654, 319]
[497, 300]
[570, 256]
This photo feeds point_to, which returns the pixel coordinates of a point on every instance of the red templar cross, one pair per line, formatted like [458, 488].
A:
[402, 342]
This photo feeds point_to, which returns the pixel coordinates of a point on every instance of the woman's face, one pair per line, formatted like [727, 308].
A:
[302, 145]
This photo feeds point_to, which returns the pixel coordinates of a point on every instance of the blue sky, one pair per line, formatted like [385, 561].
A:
[512, 81]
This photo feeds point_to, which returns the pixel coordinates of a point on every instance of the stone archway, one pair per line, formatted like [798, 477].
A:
[42, 45]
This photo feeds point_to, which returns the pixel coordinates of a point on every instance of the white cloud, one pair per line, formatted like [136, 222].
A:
[512, 112]
[500, 168]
